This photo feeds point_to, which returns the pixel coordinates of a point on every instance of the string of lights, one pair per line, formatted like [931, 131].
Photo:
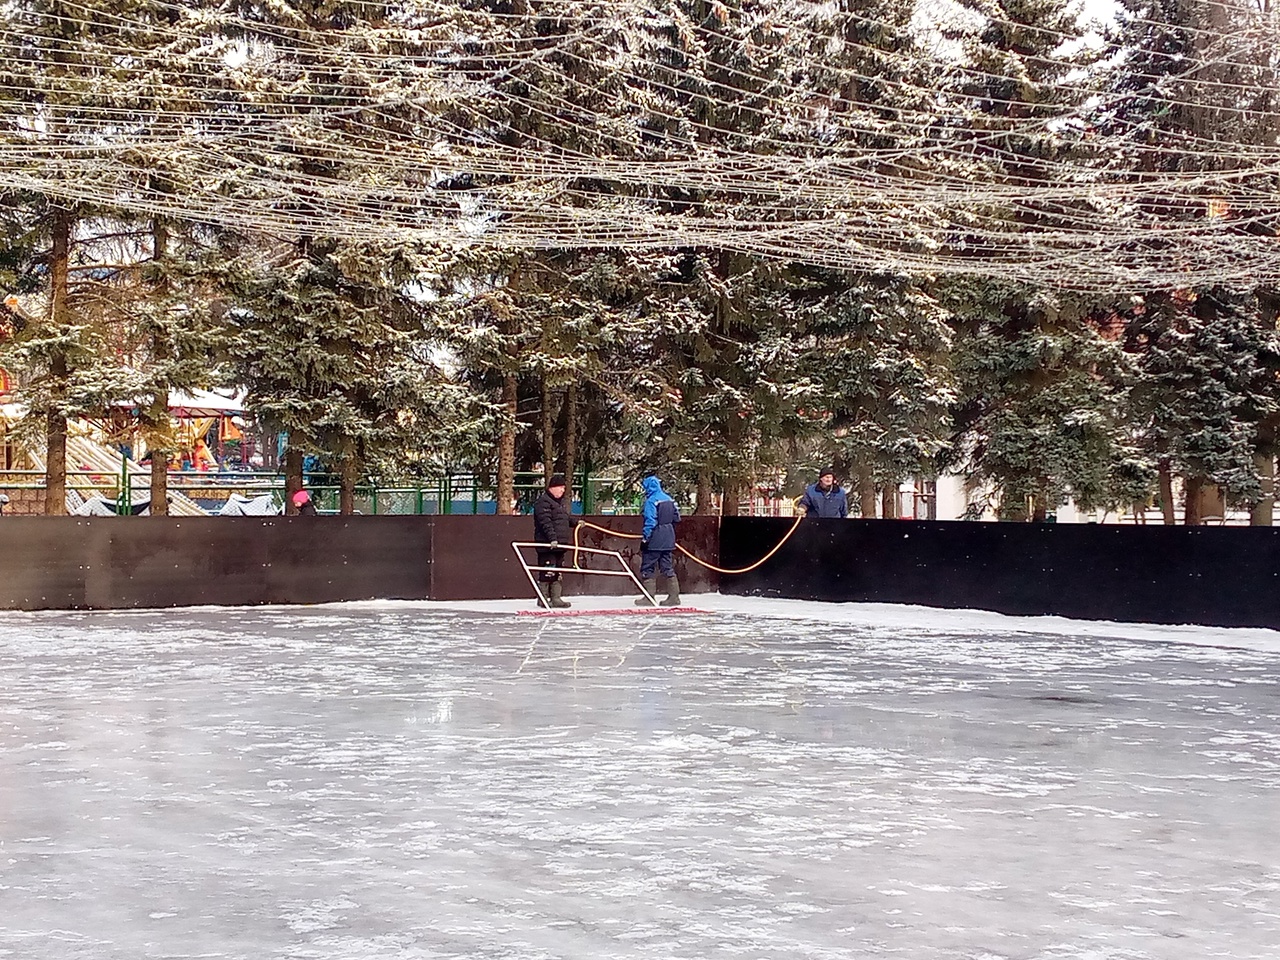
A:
[624, 124]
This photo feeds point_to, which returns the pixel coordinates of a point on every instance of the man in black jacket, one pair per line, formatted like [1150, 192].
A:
[552, 525]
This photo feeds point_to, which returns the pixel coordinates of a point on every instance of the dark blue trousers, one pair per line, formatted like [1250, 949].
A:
[660, 559]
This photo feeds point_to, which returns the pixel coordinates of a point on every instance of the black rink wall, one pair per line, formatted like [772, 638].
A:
[1213, 576]
[1216, 576]
[66, 563]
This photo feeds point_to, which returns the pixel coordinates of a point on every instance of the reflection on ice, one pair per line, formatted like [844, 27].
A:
[398, 781]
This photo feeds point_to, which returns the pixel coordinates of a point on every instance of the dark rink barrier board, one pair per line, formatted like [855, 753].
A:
[124, 562]
[67, 563]
[472, 557]
[1211, 576]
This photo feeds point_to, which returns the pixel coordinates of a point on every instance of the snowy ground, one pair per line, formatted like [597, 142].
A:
[772, 779]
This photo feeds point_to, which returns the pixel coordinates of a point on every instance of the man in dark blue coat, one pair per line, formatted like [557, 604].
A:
[659, 542]
[825, 499]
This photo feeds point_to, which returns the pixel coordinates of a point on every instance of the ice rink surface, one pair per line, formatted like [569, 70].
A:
[772, 780]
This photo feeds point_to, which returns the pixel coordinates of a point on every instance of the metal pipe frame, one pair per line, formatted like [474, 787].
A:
[626, 571]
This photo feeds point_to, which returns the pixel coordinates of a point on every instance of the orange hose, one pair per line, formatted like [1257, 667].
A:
[710, 566]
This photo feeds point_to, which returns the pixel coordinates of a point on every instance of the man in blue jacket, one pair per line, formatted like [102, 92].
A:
[659, 542]
[825, 499]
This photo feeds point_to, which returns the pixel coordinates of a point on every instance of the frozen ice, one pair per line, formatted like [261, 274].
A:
[769, 780]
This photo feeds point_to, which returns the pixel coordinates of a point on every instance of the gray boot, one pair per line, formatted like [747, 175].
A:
[650, 585]
[673, 593]
[555, 591]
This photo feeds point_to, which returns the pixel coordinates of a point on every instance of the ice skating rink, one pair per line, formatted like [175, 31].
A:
[771, 780]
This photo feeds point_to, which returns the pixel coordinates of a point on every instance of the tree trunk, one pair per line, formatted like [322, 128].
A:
[1012, 510]
[1213, 503]
[1192, 515]
[571, 434]
[866, 495]
[706, 505]
[292, 472]
[55, 480]
[506, 494]
[270, 440]
[889, 501]
[1039, 510]
[729, 506]
[1264, 510]
[156, 417]
[548, 434]
[350, 474]
[1166, 492]
[55, 475]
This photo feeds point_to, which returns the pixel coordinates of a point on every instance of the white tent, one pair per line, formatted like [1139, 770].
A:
[238, 505]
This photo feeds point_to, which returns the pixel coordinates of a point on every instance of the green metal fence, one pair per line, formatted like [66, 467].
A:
[454, 494]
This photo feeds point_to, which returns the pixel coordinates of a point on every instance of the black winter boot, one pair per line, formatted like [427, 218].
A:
[556, 591]
[650, 585]
[673, 593]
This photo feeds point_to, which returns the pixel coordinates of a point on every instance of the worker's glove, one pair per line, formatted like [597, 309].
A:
[555, 545]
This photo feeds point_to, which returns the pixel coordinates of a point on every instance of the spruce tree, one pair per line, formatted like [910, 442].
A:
[1206, 380]
[70, 92]
[54, 67]
[1040, 392]
[876, 343]
[1192, 93]
[878, 358]
[334, 350]
[1038, 384]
